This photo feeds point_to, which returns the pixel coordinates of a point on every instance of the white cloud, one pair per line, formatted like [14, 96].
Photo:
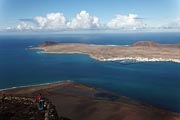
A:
[57, 21]
[54, 21]
[23, 26]
[131, 21]
[84, 21]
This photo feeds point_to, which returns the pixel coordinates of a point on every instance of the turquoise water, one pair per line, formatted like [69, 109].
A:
[156, 83]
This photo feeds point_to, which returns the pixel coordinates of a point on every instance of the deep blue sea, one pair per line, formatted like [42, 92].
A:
[156, 83]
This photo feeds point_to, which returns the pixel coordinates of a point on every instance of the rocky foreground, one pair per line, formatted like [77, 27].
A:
[17, 107]
[14, 108]
[142, 51]
[79, 102]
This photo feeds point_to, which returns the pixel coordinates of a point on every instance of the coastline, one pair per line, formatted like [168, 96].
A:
[136, 59]
[140, 59]
[34, 85]
[77, 101]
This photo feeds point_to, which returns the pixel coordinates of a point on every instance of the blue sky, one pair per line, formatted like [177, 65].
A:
[111, 14]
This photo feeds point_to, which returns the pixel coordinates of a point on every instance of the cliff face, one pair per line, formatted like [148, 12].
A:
[23, 108]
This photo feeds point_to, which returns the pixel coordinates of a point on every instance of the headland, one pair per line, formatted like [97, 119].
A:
[76, 101]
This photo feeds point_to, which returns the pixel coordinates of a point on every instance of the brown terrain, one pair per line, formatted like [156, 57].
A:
[81, 102]
[141, 51]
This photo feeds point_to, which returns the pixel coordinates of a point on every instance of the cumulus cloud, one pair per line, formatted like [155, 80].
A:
[84, 21]
[131, 21]
[23, 26]
[52, 21]
[57, 21]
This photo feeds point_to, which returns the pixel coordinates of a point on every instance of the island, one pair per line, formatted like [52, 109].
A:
[74, 101]
[141, 51]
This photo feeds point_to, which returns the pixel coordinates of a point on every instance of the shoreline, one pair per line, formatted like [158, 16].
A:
[34, 85]
[136, 59]
[141, 59]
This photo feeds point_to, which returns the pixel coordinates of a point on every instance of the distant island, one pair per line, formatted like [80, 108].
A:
[142, 51]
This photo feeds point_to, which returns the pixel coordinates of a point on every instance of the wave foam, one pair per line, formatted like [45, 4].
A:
[35, 85]
[141, 59]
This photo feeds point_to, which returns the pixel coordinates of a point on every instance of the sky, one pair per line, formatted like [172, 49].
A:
[89, 15]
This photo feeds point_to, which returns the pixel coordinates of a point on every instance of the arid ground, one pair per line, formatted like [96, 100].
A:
[81, 102]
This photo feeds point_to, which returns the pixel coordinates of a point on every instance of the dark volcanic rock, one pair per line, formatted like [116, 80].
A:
[48, 43]
[145, 44]
[24, 108]
[19, 108]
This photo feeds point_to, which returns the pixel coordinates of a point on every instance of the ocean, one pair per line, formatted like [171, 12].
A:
[155, 83]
